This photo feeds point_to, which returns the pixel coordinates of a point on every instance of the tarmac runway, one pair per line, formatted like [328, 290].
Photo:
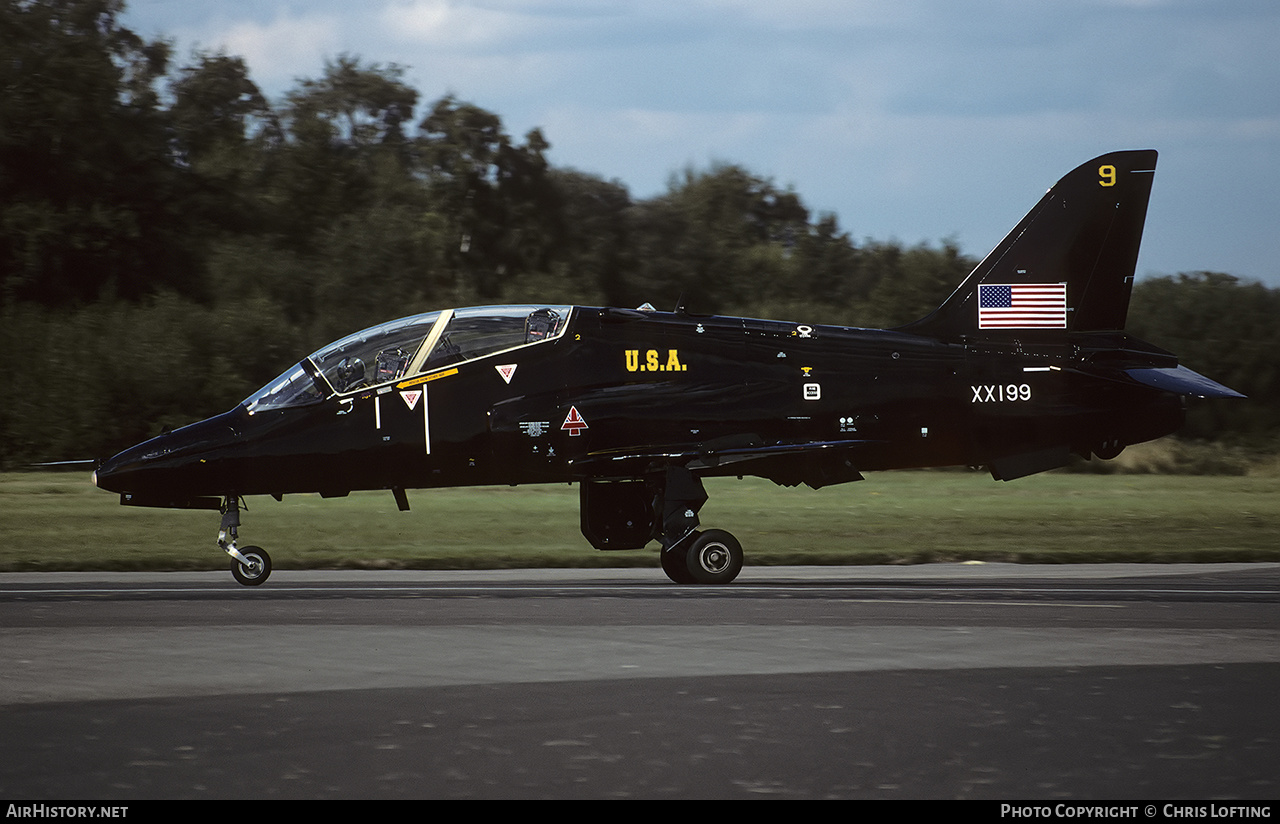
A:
[985, 681]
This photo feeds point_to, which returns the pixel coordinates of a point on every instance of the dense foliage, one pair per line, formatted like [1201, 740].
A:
[170, 239]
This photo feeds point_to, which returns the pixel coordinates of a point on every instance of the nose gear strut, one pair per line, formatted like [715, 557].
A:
[249, 566]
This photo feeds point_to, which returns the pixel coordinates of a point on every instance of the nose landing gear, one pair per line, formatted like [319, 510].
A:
[254, 568]
[249, 566]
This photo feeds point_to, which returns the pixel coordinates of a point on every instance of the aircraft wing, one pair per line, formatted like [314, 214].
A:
[700, 457]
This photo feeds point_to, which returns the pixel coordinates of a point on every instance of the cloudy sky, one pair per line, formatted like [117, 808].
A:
[914, 120]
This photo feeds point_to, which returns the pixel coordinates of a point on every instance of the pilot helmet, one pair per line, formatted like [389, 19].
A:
[539, 325]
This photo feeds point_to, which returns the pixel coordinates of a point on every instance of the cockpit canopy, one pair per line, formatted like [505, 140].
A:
[410, 346]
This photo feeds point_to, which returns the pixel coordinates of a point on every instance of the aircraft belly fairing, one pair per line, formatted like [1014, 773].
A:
[1023, 365]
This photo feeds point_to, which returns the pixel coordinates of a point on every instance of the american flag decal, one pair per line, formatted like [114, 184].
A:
[1022, 306]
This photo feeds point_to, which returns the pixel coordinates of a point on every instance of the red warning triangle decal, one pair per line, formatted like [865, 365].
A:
[574, 423]
[506, 370]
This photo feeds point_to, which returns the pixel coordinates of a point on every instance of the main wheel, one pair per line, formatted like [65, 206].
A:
[676, 564]
[256, 571]
[714, 557]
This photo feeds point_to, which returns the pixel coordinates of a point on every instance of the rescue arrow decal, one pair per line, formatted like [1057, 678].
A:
[574, 422]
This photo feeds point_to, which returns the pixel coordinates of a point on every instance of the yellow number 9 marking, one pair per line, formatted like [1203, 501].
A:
[1107, 175]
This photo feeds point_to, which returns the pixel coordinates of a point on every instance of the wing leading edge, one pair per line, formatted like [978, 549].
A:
[702, 458]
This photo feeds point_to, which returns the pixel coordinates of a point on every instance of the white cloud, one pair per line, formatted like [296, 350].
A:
[450, 24]
[284, 49]
[464, 25]
[645, 147]
[823, 15]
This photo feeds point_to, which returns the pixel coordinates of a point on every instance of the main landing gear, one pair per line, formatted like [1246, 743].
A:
[249, 566]
[688, 555]
[711, 557]
[628, 513]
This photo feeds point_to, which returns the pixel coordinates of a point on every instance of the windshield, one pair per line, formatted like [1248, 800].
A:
[408, 346]
[293, 388]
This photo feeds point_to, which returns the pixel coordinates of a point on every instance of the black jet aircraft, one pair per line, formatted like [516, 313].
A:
[1025, 364]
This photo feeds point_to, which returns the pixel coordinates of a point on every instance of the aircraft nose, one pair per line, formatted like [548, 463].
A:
[175, 463]
[120, 472]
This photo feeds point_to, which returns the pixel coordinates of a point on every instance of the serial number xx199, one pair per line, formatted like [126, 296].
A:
[1001, 393]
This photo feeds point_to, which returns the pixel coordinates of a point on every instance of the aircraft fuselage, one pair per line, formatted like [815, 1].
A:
[741, 390]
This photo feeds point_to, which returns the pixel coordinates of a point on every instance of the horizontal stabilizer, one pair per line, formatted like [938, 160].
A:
[1181, 381]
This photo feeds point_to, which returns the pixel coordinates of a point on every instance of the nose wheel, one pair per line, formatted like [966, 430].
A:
[249, 566]
[255, 567]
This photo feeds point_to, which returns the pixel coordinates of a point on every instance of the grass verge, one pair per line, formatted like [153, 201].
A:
[58, 521]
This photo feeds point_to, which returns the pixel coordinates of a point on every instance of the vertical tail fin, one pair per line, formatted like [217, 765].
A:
[1066, 267]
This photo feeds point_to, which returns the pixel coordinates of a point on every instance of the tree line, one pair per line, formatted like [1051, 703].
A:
[170, 239]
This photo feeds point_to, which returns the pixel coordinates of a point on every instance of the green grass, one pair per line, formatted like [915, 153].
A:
[57, 521]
